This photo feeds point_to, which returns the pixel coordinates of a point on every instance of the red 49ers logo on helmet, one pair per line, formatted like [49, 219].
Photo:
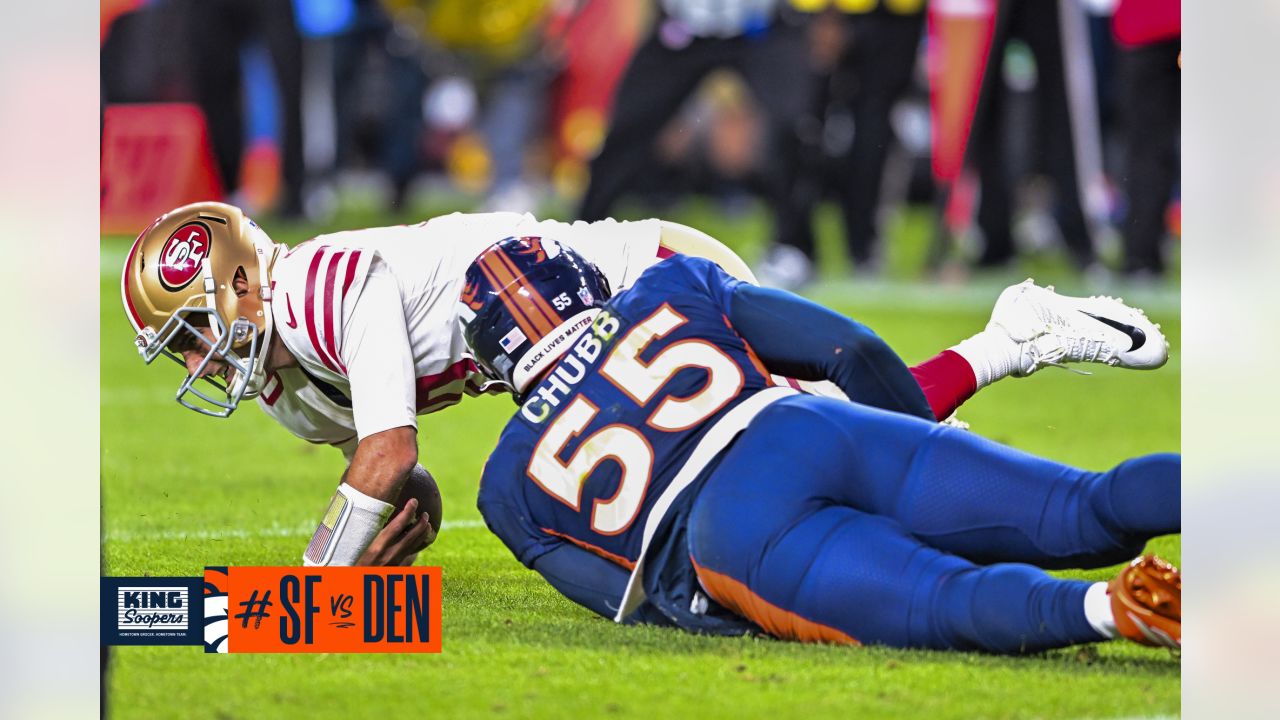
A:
[182, 254]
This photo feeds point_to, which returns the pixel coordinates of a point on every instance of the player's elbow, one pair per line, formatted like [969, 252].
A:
[856, 341]
[403, 453]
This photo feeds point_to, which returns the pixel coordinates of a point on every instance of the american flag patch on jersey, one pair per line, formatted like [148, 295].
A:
[512, 340]
[318, 549]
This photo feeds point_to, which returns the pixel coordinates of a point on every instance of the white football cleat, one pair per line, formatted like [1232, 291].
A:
[1053, 329]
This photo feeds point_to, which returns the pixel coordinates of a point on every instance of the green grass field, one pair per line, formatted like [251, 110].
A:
[180, 492]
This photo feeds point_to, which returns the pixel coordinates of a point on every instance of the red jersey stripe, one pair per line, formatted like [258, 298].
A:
[352, 261]
[330, 282]
[425, 384]
[272, 390]
[351, 272]
[308, 309]
[440, 402]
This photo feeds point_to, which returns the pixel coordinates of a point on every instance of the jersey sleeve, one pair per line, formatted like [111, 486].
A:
[378, 357]
[289, 398]
[585, 578]
[500, 505]
[800, 339]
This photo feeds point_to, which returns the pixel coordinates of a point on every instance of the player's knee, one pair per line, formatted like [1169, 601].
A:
[1137, 498]
[1157, 473]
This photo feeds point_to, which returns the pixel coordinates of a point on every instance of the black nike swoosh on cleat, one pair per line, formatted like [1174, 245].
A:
[1136, 336]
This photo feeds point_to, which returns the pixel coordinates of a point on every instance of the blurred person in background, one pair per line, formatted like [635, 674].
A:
[880, 58]
[217, 32]
[866, 53]
[762, 40]
[1149, 33]
[378, 82]
[141, 53]
[1062, 127]
[491, 64]
[708, 148]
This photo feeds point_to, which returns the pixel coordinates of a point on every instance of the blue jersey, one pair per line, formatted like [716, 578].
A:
[824, 521]
[592, 480]
[599, 441]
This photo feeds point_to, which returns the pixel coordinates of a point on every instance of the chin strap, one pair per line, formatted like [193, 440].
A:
[258, 379]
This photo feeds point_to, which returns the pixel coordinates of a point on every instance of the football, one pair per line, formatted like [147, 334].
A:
[422, 486]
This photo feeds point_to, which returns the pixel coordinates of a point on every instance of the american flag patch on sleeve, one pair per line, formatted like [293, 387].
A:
[318, 550]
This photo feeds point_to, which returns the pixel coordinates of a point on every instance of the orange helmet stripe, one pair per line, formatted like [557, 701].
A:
[527, 303]
[525, 324]
[532, 293]
[515, 294]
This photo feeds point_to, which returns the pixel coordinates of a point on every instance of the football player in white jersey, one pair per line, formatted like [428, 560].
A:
[346, 338]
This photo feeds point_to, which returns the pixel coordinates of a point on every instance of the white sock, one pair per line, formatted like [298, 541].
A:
[991, 354]
[1097, 610]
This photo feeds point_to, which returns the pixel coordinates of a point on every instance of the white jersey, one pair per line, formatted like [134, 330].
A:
[371, 316]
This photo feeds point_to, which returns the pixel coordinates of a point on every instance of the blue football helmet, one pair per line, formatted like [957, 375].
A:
[523, 302]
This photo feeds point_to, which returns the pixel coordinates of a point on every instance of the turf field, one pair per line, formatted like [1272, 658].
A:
[180, 492]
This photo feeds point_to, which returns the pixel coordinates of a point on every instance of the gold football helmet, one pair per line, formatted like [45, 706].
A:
[179, 279]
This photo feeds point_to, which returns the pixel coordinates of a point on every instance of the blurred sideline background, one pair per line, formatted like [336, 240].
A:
[888, 141]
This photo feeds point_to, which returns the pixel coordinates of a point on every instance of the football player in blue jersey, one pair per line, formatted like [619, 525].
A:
[654, 473]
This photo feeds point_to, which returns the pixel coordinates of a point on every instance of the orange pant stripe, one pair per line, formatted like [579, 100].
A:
[771, 618]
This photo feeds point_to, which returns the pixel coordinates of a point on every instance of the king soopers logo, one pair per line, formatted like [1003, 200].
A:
[182, 254]
[152, 608]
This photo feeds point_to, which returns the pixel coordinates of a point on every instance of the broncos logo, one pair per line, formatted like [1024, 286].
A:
[471, 295]
[530, 245]
[215, 610]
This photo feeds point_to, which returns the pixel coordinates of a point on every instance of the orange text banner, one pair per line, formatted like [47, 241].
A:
[326, 609]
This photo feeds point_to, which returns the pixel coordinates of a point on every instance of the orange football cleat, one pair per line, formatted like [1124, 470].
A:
[1146, 599]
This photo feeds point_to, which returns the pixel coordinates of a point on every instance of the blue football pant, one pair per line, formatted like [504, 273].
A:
[828, 520]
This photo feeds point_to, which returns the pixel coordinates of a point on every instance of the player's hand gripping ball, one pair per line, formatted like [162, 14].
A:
[405, 534]
[422, 486]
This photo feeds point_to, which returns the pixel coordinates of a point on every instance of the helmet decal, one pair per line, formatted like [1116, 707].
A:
[182, 254]
[164, 302]
[470, 294]
[523, 302]
[530, 245]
